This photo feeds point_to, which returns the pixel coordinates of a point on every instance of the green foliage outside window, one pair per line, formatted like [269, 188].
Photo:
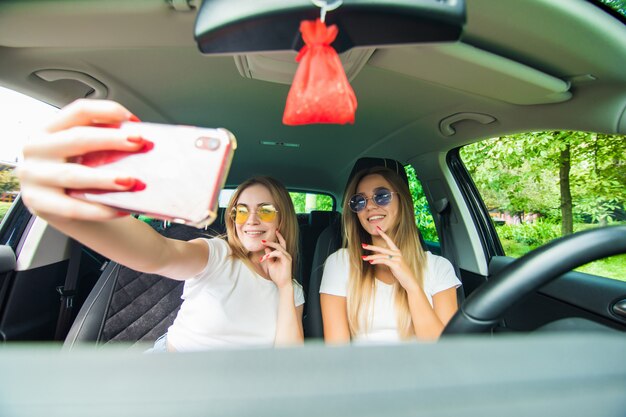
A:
[618, 5]
[4, 207]
[9, 184]
[8, 181]
[423, 216]
[539, 186]
[307, 202]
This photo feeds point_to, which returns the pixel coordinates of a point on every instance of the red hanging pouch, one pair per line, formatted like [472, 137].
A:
[320, 92]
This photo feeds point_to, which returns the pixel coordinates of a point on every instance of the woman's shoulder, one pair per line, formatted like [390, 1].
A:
[440, 273]
[218, 255]
[217, 244]
[436, 261]
[339, 255]
[339, 259]
[336, 272]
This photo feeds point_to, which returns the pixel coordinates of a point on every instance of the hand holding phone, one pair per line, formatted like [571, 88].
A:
[180, 172]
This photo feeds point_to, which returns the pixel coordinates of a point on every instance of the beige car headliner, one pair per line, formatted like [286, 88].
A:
[528, 65]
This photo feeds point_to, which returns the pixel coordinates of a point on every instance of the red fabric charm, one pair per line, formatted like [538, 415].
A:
[320, 92]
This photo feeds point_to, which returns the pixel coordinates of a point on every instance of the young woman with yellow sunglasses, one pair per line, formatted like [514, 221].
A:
[238, 290]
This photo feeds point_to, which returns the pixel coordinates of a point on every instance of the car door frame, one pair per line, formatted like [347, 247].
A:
[573, 301]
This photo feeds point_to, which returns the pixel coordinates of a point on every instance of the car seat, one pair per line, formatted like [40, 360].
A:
[130, 306]
[309, 233]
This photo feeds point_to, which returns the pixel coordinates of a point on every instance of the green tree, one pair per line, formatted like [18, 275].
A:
[561, 175]
[305, 202]
[599, 177]
[323, 202]
[617, 5]
[299, 201]
[8, 181]
[423, 217]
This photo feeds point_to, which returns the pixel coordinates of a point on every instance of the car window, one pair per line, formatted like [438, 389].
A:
[423, 215]
[303, 202]
[307, 202]
[543, 185]
[16, 118]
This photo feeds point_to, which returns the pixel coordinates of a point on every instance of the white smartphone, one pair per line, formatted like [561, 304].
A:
[183, 169]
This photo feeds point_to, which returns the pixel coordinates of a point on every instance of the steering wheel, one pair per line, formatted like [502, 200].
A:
[486, 306]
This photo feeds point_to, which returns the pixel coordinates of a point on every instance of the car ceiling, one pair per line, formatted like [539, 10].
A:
[144, 53]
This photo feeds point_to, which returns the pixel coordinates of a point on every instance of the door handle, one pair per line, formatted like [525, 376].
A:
[100, 90]
[619, 308]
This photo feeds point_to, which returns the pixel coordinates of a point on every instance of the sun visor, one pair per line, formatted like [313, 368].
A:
[473, 70]
[244, 26]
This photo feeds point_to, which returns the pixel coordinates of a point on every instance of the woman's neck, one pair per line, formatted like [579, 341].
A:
[382, 272]
[379, 241]
[259, 267]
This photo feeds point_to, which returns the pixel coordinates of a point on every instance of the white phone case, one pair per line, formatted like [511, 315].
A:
[183, 172]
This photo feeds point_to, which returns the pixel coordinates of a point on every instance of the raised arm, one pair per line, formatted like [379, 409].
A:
[428, 322]
[289, 322]
[46, 174]
[135, 244]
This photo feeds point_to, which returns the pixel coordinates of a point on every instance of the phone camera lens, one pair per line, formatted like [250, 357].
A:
[211, 144]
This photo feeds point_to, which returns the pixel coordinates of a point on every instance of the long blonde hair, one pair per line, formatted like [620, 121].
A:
[287, 220]
[361, 282]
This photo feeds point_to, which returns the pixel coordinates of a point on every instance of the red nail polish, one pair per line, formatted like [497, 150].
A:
[262, 257]
[371, 262]
[263, 241]
[134, 118]
[135, 139]
[139, 185]
[95, 123]
[147, 146]
[378, 227]
[363, 257]
[122, 214]
[364, 245]
[125, 182]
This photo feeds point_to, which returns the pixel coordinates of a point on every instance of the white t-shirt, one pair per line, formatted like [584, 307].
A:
[227, 304]
[439, 276]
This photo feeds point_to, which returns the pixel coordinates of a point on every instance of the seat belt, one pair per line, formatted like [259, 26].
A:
[444, 210]
[68, 291]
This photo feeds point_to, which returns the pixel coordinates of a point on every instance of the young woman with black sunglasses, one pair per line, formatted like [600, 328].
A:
[382, 286]
[238, 291]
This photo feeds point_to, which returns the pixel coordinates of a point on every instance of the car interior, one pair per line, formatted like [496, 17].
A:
[430, 76]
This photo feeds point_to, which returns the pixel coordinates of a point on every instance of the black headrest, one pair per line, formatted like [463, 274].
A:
[321, 218]
[367, 163]
[221, 215]
[303, 218]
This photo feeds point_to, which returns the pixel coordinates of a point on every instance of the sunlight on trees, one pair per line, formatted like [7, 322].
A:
[547, 184]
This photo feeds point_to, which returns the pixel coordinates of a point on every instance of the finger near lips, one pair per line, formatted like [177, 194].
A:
[78, 141]
[74, 176]
[386, 238]
[86, 112]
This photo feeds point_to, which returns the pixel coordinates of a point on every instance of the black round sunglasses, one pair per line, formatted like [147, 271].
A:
[382, 197]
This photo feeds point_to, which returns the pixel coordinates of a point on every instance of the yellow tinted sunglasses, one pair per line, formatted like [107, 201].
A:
[265, 212]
